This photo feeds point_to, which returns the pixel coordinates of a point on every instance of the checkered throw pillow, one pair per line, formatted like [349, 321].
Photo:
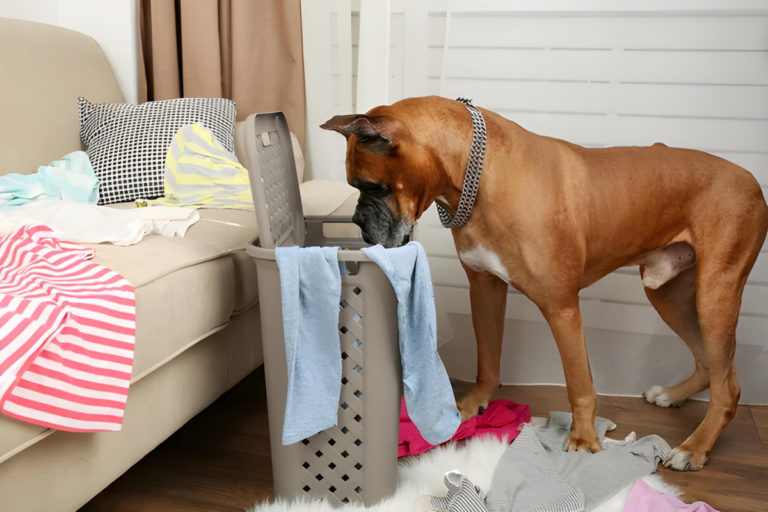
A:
[127, 143]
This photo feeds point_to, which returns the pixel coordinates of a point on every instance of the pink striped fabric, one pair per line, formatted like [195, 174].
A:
[67, 330]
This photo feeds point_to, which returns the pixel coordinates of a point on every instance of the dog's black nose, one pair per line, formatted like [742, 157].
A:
[358, 218]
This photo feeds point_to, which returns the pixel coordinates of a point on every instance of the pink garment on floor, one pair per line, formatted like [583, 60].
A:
[643, 498]
[500, 419]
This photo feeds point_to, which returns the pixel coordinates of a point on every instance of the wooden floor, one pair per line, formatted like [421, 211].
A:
[220, 460]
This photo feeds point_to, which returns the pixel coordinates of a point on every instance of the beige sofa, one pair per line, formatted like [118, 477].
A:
[198, 330]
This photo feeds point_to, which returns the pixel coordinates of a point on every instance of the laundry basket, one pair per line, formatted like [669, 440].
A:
[355, 461]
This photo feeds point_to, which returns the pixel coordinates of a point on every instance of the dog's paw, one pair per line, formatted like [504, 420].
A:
[683, 459]
[468, 411]
[473, 404]
[583, 443]
[656, 395]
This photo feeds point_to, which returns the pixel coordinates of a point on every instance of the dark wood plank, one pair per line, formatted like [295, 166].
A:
[220, 460]
[760, 417]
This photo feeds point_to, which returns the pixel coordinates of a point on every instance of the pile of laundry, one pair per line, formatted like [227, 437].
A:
[536, 474]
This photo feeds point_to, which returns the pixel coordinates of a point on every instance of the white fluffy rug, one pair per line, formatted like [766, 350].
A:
[417, 476]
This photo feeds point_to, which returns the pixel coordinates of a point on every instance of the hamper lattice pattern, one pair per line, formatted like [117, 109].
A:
[333, 459]
[276, 187]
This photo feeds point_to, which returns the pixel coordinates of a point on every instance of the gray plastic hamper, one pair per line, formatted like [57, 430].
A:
[357, 460]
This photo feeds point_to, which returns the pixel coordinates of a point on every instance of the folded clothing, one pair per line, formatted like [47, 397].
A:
[200, 172]
[68, 334]
[501, 419]
[644, 498]
[92, 224]
[70, 178]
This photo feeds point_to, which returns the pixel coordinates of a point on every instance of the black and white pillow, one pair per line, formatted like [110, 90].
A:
[127, 143]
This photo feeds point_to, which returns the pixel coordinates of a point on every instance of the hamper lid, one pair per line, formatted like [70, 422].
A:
[274, 183]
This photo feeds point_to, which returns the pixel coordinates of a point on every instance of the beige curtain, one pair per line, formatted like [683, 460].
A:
[249, 51]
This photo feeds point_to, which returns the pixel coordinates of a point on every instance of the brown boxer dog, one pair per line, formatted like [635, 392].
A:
[552, 218]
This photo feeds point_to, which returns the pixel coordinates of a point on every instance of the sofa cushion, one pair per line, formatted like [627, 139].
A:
[324, 197]
[185, 288]
[334, 198]
[15, 435]
[233, 230]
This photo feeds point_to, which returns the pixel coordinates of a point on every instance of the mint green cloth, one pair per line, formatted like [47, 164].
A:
[70, 178]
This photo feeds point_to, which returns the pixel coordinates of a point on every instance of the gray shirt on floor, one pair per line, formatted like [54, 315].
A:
[536, 475]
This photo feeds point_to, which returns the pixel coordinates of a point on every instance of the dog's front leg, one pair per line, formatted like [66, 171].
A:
[565, 321]
[488, 295]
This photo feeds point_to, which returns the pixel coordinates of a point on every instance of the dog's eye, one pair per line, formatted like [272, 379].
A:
[373, 188]
[378, 192]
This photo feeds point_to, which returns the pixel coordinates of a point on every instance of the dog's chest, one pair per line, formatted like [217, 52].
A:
[481, 259]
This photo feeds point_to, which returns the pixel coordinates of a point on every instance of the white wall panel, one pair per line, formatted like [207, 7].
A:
[638, 66]
[416, 29]
[635, 32]
[373, 57]
[665, 100]
[40, 11]
[325, 150]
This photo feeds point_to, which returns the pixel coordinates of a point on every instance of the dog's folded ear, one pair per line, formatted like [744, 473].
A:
[373, 132]
[341, 123]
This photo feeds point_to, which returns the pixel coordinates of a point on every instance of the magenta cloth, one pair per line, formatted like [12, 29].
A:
[500, 419]
[643, 498]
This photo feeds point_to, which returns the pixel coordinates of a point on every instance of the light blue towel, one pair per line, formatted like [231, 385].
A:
[310, 282]
[428, 393]
[71, 178]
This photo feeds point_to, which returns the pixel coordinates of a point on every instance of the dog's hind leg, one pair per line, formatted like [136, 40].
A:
[675, 301]
[488, 296]
[719, 285]
[723, 265]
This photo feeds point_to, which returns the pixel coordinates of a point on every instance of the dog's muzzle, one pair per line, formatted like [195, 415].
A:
[378, 224]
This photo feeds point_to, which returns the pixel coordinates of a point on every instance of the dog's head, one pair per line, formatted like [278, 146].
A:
[393, 172]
